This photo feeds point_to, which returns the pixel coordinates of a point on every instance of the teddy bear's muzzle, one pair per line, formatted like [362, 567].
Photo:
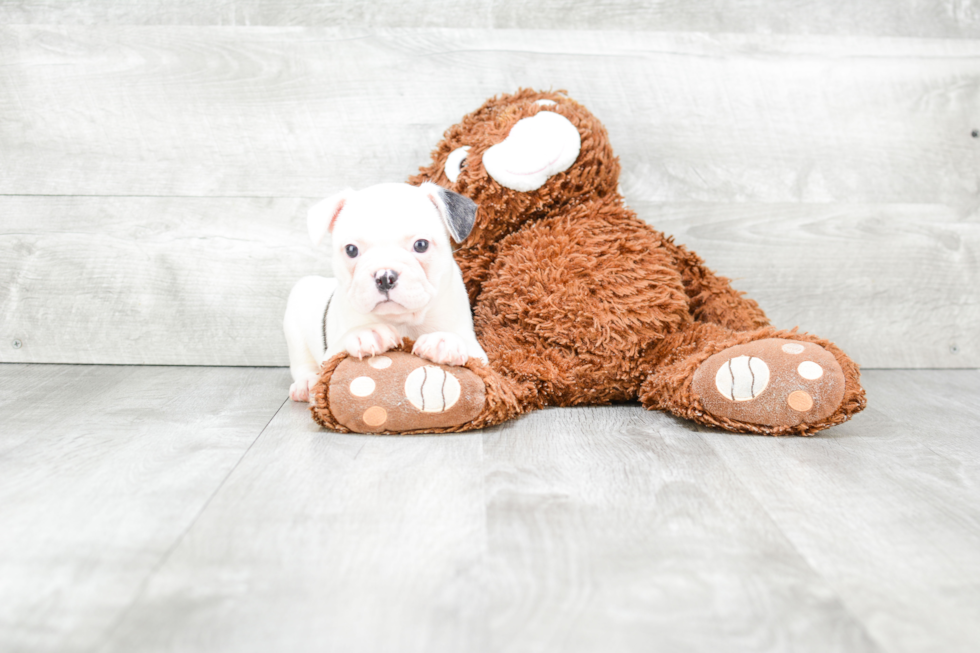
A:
[535, 149]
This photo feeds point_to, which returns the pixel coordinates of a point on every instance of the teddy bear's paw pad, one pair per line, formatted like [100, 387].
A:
[397, 392]
[771, 382]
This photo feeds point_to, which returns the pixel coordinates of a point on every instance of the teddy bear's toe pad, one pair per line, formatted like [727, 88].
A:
[771, 382]
[398, 392]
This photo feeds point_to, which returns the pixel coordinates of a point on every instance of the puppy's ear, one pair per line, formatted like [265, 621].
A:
[457, 211]
[323, 215]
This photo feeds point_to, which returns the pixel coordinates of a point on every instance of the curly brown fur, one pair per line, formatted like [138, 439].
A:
[595, 289]
[576, 300]
[711, 297]
[320, 394]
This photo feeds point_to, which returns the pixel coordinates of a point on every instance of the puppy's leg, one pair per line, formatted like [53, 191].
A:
[304, 370]
[303, 327]
[452, 340]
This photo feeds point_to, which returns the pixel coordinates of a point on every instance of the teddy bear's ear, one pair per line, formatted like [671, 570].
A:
[457, 211]
[323, 215]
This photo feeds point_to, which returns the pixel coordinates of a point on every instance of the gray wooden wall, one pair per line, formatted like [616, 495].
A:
[157, 159]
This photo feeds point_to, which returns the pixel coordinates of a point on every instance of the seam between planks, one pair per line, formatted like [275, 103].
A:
[180, 538]
[804, 559]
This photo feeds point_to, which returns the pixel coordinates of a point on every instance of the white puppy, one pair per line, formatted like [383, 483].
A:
[394, 277]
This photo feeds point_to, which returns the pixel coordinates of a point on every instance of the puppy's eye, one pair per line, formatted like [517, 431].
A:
[456, 162]
[351, 251]
[421, 245]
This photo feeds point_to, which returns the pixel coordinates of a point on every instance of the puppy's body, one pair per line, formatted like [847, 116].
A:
[395, 277]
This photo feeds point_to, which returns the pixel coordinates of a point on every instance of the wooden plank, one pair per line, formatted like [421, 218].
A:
[150, 280]
[886, 507]
[205, 280]
[298, 112]
[618, 529]
[941, 397]
[327, 542]
[894, 285]
[27, 387]
[102, 469]
[140, 512]
[327, 13]
[608, 529]
[870, 17]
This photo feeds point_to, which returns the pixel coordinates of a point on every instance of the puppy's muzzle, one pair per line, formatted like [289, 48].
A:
[385, 280]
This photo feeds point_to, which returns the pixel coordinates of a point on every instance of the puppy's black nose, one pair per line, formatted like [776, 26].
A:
[386, 280]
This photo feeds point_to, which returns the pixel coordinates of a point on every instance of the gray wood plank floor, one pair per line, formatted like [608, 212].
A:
[193, 509]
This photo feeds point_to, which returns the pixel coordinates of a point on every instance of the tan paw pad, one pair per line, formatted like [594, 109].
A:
[375, 416]
[799, 401]
[771, 382]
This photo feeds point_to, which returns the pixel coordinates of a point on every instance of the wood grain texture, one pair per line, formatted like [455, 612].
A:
[299, 112]
[945, 19]
[893, 285]
[150, 280]
[205, 280]
[940, 398]
[942, 19]
[834, 178]
[156, 510]
[618, 529]
[102, 470]
[327, 542]
[584, 531]
[885, 507]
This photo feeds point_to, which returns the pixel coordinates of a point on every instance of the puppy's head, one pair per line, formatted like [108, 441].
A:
[391, 245]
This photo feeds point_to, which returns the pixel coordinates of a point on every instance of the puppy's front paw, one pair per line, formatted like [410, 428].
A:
[441, 347]
[372, 341]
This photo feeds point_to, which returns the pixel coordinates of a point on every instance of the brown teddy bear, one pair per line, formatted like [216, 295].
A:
[577, 301]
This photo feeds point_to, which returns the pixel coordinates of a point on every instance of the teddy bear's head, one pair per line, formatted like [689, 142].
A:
[522, 157]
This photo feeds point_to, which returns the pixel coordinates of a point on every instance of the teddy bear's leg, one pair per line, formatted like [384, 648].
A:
[762, 381]
[398, 393]
[712, 298]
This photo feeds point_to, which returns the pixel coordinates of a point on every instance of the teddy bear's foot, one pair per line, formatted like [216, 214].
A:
[397, 392]
[773, 382]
